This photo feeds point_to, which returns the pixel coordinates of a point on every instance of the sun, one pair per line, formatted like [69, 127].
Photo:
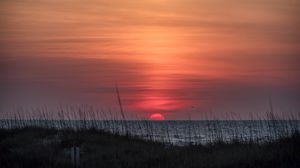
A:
[157, 117]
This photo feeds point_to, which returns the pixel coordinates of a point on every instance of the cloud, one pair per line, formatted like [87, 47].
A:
[210, 53]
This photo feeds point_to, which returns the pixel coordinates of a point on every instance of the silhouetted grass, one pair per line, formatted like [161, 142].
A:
[40, 147]
[84, 117]
[40, 137]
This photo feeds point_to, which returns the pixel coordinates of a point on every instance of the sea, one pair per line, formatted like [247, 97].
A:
[177, 132]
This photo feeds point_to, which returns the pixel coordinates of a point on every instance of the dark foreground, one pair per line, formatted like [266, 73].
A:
[36, 147]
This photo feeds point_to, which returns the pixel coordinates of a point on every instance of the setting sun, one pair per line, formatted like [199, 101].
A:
[157, 117]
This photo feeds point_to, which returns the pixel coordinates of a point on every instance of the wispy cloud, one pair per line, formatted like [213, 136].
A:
[174, 55]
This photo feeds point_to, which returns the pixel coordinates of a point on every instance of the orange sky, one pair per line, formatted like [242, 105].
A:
[166, 55]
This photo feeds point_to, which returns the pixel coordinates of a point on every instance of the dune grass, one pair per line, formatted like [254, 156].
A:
[84, 117]
[41, 147]
[40, 137]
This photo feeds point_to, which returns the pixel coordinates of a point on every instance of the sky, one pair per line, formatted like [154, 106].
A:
[179, 58]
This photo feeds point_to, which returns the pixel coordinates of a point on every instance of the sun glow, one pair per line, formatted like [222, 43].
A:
[166, 55]
[157, 117]
[159, 103]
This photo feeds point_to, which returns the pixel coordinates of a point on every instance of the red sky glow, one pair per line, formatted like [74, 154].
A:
[180, 58]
